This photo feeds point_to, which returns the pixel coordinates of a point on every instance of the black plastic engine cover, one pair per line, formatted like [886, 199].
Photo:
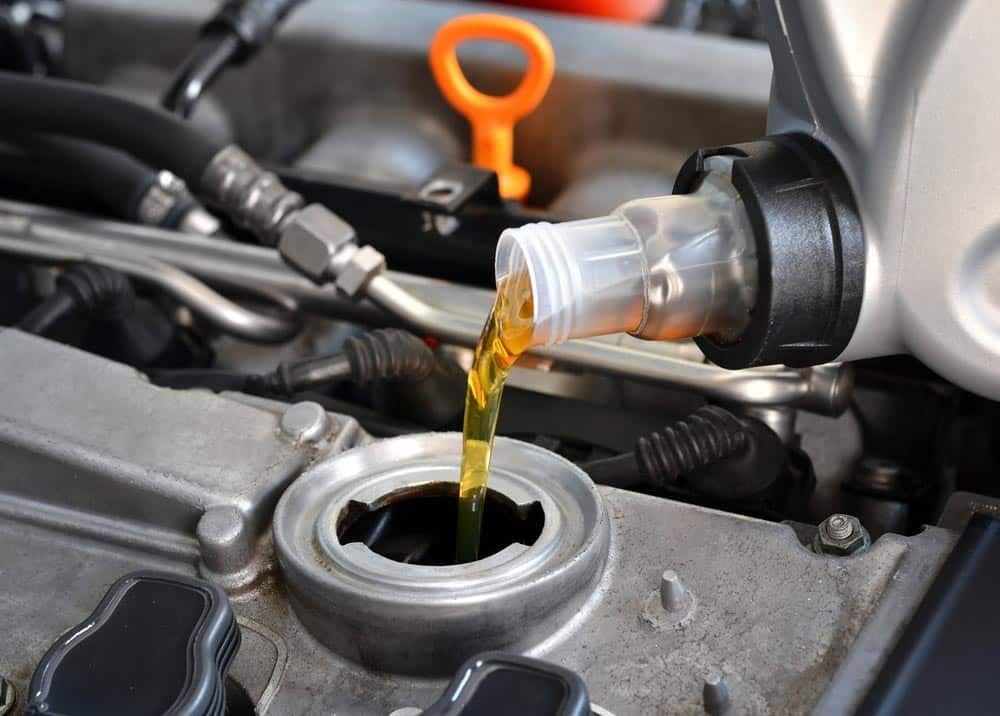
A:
[497, 684]
[156, 644]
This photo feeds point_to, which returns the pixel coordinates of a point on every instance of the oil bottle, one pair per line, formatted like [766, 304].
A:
[664, 268]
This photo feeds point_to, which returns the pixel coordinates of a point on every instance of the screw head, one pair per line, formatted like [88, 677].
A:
[841, 535]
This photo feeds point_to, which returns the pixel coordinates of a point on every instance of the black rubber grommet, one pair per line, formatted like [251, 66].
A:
[810, 251]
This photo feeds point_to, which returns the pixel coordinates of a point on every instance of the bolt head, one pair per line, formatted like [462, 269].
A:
[224, 539]
[311, 239]
[221, 526]
[305, 422]
[841, 535]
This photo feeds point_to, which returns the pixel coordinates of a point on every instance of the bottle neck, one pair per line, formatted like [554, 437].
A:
[587, 277]
[665, 268]
[701, 259]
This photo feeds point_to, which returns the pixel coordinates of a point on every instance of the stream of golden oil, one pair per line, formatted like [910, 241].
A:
[505, 336]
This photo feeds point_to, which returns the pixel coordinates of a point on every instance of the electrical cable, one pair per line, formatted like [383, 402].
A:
[95, 291]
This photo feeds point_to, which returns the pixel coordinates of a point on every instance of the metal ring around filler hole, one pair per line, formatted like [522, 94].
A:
[426, 620]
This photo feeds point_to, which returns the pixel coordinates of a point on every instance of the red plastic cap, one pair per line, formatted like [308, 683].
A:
[634, 10]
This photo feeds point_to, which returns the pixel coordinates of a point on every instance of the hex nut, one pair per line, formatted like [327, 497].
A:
[362, 267]
[251, 196]
[854, 539]
[311, 239]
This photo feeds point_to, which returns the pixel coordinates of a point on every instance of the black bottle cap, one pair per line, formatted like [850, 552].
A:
[810, 251]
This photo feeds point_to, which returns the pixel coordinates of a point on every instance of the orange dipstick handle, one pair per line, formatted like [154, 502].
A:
[493, 118]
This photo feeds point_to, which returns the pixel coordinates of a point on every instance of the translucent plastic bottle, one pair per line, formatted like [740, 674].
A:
[664, 268]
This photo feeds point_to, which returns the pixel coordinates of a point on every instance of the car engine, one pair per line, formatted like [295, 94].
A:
[249, 247]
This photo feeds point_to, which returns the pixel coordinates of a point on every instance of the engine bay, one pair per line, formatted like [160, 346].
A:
[250, 377]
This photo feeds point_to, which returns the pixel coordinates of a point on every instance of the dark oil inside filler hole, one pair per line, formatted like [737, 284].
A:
[417, 525]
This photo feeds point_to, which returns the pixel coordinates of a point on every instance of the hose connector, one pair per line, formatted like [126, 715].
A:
[252, 22]
[253, 197]
[166, 202]
[321, 245]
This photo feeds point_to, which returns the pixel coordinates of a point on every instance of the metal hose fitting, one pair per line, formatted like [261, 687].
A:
[253, 197]
[167, 202]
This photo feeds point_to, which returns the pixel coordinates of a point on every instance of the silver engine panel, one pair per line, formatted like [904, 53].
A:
[102, 473]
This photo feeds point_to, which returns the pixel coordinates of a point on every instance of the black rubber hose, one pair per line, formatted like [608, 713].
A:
[84, 289]
[387, 354]
[384, 355]
[77, 110]
[253, 22]
[210, 56]
[232, 36]
[410, 380]
[48, 313]
[111, 178]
